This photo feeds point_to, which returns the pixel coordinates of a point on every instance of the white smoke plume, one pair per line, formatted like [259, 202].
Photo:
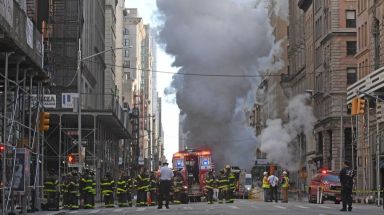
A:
[218, 37]
[279, 141]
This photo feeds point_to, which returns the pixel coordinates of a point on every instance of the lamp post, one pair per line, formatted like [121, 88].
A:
[313, 92]
[79, 100]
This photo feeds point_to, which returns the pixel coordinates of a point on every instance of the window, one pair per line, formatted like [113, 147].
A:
[351, 76]
[126, 53]
[126, 42]
[351, 48]
[351, 19]
[126, 31]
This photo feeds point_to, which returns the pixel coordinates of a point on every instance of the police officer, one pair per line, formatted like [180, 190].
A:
[209, 186]
[222, 185]
[154, 185]
[52, 192]
[88, 190]
[122, 191]
[130, 189]
[107, 186]
[231, 185]
[142, 187]
[346, 178]
[266, 187]
[73, 189]
[285, 186]
[178, 188]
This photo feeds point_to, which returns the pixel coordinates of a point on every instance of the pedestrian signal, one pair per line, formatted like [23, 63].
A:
[71, 158]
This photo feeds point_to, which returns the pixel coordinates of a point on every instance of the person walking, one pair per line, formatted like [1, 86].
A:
[273, 182]
[230, 197]
[266, 187]
[165, 178]
[285, 186]
[346, 178]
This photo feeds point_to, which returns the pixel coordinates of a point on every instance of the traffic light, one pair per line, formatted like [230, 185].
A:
[2, 147]
[44, 121]
[354, 106]
[360, 106]
[71, 158]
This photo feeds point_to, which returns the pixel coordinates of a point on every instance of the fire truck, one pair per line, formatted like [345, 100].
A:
[193, 164]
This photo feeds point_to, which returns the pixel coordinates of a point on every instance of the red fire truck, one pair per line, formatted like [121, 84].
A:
[193, 164]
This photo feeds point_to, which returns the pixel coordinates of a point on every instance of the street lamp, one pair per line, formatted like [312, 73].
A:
[79, 100]
[312, 93]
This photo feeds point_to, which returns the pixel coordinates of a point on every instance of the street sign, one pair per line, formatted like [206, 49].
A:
[261, 162]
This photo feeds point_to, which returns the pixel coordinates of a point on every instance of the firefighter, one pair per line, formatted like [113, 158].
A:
[153, 189]
[52, 192]
[73, 189]
[231, 185]
[285, 186]
[178, 188]
[130, 189]
[142, 187]
[107, 185]
[222, 185]
[64, 190]
[88, 190]
[266, 187]
[122, 191]
[210, 185]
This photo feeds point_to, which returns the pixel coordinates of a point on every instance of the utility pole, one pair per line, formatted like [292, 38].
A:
[79, 104]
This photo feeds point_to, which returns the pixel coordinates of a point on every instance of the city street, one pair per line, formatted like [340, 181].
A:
[243, 207]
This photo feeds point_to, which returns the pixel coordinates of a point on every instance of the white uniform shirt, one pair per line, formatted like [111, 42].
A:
[166, 173]
[273, 180]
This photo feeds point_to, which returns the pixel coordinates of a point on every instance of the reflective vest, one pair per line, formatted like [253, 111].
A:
[154, 184]
[209, 182]
[88, 185]
[107, 186]
[142, 183]
[121, 186]
[51, 185]
[231, 181]
[178, 184]
[222, 182]
[285, 182]
[266, 184]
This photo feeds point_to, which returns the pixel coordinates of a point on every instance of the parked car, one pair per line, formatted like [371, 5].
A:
[327, 183]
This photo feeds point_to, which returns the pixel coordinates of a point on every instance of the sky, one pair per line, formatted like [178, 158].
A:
[170, 111]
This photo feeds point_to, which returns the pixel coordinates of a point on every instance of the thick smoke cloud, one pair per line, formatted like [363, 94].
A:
[279, 140]
[225, 37]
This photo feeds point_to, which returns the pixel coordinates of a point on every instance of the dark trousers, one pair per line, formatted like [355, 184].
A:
[89, 200]
[122, 199]
[73, 201]
[141, 197]
[230, 197]
[153, 197]
[108, 200]
[53, 201]
[210, 196]
[273, 194]
[222, 194]
[346, 197]
[165, 187]
[266, 195]
[66, 199]
[129, 198]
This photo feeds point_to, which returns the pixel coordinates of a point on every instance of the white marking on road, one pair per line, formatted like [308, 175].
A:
[118, 210]
[141, 209]
[73, 212]
[188, 208]
[280, 207]
[323, 206]
[234, 207]
[254, 207]
[93, 211]
[302, 207]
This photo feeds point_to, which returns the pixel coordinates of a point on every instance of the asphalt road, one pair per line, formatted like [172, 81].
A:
[240, 207]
